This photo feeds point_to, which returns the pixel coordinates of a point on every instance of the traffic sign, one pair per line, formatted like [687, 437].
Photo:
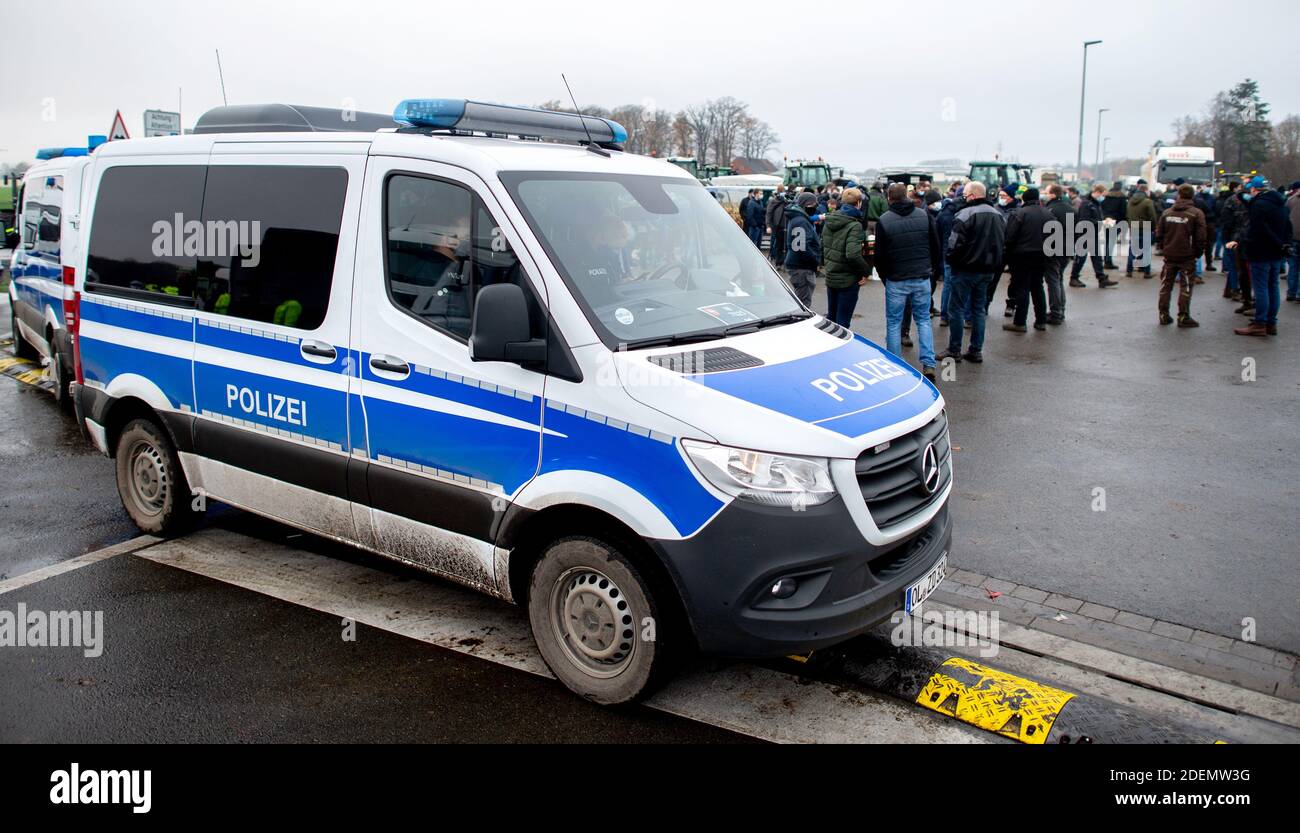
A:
[162, 123]
[118, 130]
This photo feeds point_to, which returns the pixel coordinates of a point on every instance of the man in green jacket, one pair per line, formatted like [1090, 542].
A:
[1141, 222]
[844, 242]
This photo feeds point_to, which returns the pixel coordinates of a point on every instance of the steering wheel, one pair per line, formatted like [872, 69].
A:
[664, 270]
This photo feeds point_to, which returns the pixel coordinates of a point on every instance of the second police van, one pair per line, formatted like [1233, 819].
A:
[484, 341]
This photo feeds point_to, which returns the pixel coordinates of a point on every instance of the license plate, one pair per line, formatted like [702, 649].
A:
[922, 589]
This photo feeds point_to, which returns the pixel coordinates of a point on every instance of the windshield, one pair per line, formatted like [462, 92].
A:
[1193, 172]
[651, 259]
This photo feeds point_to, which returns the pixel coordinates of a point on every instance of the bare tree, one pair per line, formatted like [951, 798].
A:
[757, 138]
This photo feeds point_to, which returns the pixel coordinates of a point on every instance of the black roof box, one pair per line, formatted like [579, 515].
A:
[289, 118]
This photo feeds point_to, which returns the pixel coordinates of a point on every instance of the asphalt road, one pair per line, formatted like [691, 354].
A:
[1198, 467]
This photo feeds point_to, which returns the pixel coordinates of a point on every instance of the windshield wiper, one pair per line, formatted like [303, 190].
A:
[770, 321]
[681, 338]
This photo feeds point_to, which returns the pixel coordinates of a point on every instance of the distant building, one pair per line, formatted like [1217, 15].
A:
[744, 166]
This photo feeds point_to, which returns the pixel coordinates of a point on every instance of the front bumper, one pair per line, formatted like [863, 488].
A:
[846, 585]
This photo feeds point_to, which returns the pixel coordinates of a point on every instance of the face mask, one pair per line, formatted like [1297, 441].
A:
[1004, 201]
[1247, 197]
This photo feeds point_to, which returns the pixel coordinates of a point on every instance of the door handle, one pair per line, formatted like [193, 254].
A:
[389, 364]
[318, 349]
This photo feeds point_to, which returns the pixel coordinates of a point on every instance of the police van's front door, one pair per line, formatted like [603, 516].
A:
[273, 290]
[448, 441]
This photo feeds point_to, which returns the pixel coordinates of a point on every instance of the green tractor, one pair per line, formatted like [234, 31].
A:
[801, 173]
[997, 174]
[10, 183]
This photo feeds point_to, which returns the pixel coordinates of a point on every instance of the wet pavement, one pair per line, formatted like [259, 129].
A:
[1198, 467]
[58, 497]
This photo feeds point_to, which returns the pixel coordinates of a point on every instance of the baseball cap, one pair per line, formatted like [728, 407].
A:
[1257, 182]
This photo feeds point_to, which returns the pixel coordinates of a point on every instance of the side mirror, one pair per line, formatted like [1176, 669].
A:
[499, 329]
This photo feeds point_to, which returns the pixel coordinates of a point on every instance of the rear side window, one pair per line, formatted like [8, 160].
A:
[272, 237]
[138, 244]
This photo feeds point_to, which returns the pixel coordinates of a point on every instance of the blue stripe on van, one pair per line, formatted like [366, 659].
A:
[130, 319]
[264, 347]
[650, 466]
[486, 451]
[221, 390]
[103, 361]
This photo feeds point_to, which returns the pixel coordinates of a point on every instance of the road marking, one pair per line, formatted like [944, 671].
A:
[77, 563]
[994, 700]
[747, 699]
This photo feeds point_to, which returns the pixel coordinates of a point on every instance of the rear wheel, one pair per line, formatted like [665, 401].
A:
[150, 481]
[21, 348]
[59, 373]
[597, 622]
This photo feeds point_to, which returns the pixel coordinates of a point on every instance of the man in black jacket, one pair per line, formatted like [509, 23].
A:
[1114, 208]
[1026, 240]
[1058, 261]
[974, 252]
[1235, 222]
[1268, 233]
[774, 219]
[1204, 200]
[803, 247]
[1090, 238]
[907, 257]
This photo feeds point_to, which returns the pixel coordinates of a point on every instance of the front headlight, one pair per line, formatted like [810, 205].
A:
[769, 479]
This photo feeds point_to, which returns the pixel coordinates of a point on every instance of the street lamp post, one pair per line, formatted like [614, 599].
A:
[1105, 155]
[1078, 165]
[1099, 112]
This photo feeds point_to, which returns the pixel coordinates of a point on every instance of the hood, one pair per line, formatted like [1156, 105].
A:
[902, 208]
[813, 393]
[1270, 197]
[1183, 205]
[840, 219]
[1138, 197]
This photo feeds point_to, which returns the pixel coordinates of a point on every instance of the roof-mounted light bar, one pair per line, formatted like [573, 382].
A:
[480, 117]
[58, 153]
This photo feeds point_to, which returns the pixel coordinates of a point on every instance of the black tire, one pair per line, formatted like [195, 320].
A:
[617, 647]
[21, 348]
[150, 481]
[59, 373]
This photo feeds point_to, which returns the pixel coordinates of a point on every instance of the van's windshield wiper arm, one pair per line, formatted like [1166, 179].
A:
[770, 321]
[680, 338]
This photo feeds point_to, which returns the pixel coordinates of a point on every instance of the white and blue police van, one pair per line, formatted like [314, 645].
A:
[42, 266]
[484, 341]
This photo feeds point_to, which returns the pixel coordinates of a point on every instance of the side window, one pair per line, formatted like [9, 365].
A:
[49, 229]
[31, 208]
[138, 240]
[442, 246]
[272, 238]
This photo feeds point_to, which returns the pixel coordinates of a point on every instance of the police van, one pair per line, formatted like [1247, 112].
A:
[41, 269]
[484, 341]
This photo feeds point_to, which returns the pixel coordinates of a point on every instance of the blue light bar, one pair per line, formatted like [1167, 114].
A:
[481, 117]
[56, 153]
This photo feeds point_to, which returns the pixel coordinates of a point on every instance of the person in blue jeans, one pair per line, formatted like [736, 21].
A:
[1267, 234]
[1293, 257]
[975, 250]
[907, 258]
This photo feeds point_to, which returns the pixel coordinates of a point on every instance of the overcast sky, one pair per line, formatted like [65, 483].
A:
[862, 84]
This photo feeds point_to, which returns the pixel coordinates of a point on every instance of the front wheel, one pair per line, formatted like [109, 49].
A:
[597, 622]
[150, 481]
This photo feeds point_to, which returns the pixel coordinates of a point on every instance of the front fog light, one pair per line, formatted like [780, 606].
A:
[784, 589]
[769, 479]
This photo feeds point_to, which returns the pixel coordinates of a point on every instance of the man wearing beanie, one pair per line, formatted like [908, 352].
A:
[803, 247]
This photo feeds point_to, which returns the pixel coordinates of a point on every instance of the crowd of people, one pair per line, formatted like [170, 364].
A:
[914, 237]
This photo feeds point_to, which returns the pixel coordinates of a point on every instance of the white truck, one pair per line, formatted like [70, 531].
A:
[1167, 163]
